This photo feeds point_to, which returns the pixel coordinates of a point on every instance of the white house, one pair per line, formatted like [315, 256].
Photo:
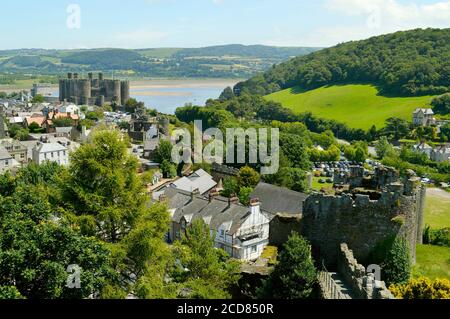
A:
[70, 108]
[52, 152]
[441, 154]
[242, 231]
[423, 117]
[423, 148]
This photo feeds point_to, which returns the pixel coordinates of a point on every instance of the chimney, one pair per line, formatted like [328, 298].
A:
[213, 194]
[234, 200]
[194, 193]
[255, 205]
[254, 202]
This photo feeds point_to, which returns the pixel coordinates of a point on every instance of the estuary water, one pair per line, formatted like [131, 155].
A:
[167, 95]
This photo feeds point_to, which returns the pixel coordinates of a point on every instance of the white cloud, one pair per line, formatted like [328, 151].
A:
[393, 12]
[378, 17]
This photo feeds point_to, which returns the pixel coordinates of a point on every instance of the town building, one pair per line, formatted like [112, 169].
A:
[17, 150]
[423, 148]
[441, 154]
[199, 180]
[6, 160]
[423, 117]
[242, 231]
[51, 152]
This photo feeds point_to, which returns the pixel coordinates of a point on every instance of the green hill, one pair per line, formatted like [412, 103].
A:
[410, 63]
[358, 106]
[228, 61]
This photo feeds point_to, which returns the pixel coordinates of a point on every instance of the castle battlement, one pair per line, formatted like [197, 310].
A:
[372, 209]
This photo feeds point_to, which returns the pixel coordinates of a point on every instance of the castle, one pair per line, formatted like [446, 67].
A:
[92, 91]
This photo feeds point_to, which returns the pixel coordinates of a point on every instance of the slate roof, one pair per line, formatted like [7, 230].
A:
[215, 213]
[4, 154]
[424, 111]
[50, 147]
[276, 199]
[63, 130]
[200, 180]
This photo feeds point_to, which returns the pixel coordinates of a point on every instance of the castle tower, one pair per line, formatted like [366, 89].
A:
[125, 91]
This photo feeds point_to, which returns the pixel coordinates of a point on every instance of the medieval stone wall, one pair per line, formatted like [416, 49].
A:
[362, 284]
[364, 220]
[281, 227]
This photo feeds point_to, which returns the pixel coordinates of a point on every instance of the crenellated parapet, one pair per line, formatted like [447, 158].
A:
[363, 216]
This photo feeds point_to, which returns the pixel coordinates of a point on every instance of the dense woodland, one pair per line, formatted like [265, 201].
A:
[414, 62]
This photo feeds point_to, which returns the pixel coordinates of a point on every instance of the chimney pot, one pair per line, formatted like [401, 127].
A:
[254, 202]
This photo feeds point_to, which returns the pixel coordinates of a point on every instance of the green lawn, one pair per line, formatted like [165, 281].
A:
[432, 262]
[437, 209]
[359, 106]
[318, 186]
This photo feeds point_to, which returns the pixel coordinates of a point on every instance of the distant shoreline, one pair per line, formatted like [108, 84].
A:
[157, 83]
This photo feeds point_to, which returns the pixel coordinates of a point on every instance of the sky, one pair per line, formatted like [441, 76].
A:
[75, 24]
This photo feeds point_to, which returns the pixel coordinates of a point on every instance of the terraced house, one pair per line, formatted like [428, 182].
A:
[242, 231]
[17, 150]
[50, 152]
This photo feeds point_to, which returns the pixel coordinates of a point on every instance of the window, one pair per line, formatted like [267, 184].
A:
[6, 163]
[222, 233]
[254, 249]
[22, 155]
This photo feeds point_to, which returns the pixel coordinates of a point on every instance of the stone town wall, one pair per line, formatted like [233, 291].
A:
[362, 284]
[362, 221]
[281, 227]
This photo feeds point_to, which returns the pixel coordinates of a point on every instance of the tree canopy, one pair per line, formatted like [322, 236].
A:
[407, 63]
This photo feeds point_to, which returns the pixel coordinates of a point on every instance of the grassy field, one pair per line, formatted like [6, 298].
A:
[432, 262]
[359, 106]
[437, 209]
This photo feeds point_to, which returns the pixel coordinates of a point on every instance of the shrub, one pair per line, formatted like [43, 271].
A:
[422, 288]
[394, 258]
[438, 237]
